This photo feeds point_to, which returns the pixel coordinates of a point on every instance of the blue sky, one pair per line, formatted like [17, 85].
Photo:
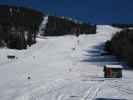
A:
[93, 11]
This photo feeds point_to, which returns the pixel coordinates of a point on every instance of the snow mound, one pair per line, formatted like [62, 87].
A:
[106, 29]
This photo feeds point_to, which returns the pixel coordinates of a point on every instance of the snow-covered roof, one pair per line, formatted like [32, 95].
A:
[113, 66]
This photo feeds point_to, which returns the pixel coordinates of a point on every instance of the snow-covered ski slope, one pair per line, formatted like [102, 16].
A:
[43, 26]
[53, 70]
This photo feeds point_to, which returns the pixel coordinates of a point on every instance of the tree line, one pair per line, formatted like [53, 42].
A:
[122, 25]
[121, 45]
[62, 26]
[18, 26]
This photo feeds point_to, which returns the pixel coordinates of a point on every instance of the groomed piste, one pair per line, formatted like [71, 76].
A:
[52, 70]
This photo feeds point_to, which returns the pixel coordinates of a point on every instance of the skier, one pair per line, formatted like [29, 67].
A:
[77, 33]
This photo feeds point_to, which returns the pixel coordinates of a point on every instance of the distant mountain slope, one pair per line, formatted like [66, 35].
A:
[61, 26]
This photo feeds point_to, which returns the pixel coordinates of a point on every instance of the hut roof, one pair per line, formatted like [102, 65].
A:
[113, 66]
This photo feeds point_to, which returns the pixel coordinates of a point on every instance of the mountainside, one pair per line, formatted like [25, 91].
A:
[53, 70]
[19, 26]
[56, 26]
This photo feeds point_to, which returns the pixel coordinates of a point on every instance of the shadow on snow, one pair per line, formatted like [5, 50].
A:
[97, 56]
[107, 99]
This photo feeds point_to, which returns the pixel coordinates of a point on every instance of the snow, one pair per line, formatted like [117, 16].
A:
[61, 69]
[114, 66]
[43, 25]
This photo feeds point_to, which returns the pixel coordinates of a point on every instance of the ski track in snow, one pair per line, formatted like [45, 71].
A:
[59, 72]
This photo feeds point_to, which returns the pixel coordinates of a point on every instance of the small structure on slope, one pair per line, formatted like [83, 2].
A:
[113, 71]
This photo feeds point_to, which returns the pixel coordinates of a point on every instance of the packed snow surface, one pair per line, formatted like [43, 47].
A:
[43, 26]
[60, 68]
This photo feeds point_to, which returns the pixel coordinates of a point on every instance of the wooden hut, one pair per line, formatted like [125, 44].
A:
[112, 71]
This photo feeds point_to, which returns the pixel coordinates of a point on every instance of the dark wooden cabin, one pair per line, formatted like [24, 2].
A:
[112, 71]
